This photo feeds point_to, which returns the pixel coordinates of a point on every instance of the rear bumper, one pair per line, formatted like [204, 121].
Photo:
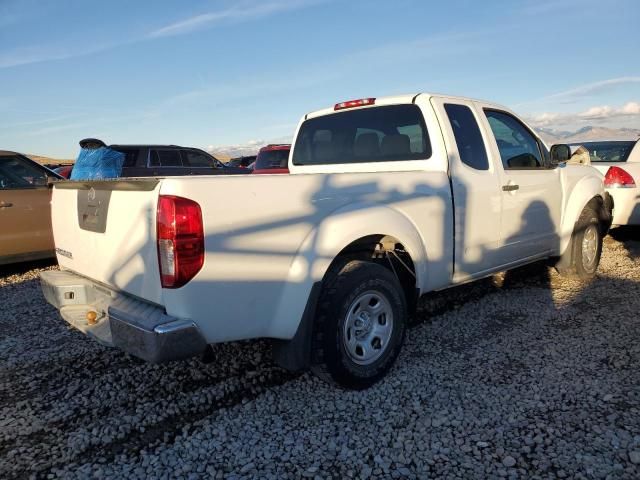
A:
[134, 326]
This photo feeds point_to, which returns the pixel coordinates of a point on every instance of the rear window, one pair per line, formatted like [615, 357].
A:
[379, 134]
[272, 159]
[607, 151]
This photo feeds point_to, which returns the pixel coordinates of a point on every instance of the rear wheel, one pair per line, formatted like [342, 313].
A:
[360, 325]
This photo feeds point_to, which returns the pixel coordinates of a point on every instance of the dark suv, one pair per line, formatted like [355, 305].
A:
[164, 160]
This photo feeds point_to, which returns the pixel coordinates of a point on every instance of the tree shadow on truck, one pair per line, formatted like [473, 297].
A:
[535, 218]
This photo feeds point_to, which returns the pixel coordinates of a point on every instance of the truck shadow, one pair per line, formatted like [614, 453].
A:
[629, 236]
[24, 267]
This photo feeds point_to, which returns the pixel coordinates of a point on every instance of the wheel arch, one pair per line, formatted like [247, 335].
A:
[354, 231]
[588, 191]
[351, 230]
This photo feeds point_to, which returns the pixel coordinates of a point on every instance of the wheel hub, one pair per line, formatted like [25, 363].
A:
[589, 246]
[363, 325]
[368, 327]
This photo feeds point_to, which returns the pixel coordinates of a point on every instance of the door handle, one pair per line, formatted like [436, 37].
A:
[510, 188]
[5, 204]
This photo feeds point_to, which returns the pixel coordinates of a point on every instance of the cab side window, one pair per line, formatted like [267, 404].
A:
[518, 147]
[17, 172]
[468, 137]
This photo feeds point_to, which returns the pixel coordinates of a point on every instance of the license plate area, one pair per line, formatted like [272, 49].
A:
[93, 209]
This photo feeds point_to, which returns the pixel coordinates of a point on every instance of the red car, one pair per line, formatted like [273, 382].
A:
[64, 171]
[272, 159]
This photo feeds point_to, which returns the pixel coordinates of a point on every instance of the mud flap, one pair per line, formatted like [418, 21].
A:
[295, 354]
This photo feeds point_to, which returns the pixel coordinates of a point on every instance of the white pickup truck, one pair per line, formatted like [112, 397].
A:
[387, 199]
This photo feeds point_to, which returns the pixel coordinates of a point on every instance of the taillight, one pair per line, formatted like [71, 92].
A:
[354, 103]
[180, 240]
[616, 177]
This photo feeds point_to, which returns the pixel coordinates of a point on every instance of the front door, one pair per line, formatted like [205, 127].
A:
[531, 190]
[25, 210]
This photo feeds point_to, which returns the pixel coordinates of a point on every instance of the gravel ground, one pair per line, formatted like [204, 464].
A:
[522, 375]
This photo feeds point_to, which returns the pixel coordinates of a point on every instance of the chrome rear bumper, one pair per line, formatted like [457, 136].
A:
[134, 326]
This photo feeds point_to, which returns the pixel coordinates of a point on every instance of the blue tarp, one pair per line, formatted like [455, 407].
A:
[97, 164]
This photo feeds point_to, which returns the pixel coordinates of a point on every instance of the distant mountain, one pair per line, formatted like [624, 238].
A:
[250, 148]
[586, 134]
[226, 152]
[48, 161]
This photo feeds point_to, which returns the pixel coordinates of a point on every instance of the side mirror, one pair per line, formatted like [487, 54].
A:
[560, 153]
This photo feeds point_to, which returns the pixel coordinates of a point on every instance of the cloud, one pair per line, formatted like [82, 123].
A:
[583, 91]
[605, 111]
[631, 108]
[6, 102]
[235, 13]
[596, 113]
[36, 54]
[324, 71]
[55, 129]
[593, 88]
[39, 121]
[244, 12]
[550, 6]
[546, 119]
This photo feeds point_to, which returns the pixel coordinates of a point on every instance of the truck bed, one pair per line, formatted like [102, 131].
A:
[267, 240]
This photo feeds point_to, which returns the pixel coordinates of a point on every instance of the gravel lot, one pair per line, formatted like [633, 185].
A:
[522, 375]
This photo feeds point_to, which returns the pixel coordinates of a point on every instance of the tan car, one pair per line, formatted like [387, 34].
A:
[25, 209]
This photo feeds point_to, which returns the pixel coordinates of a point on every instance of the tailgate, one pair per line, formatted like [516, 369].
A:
[106, 231]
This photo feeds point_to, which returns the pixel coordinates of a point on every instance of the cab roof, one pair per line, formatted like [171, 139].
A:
[394, 100]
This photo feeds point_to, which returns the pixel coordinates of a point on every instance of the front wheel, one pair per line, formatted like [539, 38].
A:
[360, 325]
[586, 247]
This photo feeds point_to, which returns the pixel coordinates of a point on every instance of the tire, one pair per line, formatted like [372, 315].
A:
[360, 325]
[586, 247]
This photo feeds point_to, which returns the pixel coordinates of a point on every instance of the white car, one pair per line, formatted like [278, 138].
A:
[619, 162]
[387, 199]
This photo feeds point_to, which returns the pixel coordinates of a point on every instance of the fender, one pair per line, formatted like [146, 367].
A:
[581, 193]
[329, 237]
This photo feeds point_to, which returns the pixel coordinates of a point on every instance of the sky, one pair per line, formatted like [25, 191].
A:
[221, 72]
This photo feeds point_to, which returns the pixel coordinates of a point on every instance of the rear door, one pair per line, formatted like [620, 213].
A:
[531, 189]
[476, 189]
[25, 220]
